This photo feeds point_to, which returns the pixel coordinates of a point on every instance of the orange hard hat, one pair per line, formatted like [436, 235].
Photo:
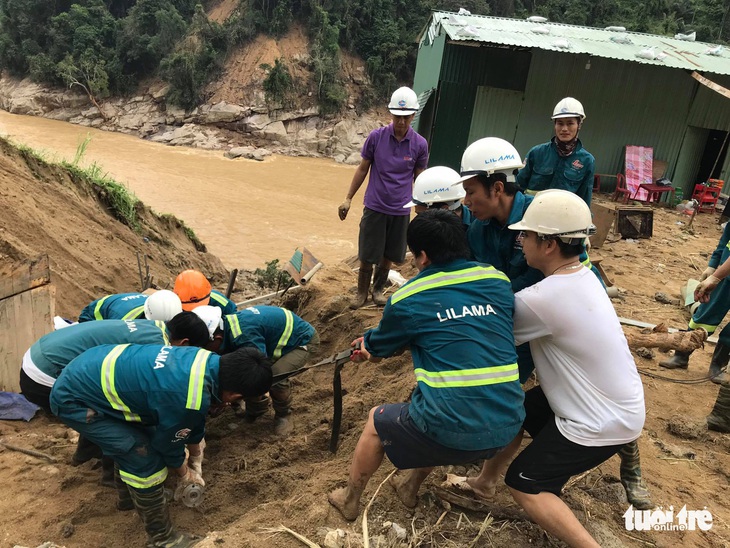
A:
[193, 288]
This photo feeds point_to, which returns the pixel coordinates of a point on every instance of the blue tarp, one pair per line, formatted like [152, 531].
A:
[15, 407]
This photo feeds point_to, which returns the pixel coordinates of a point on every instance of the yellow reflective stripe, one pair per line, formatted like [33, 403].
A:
[587, 263]
[443, 279]
[470, 377]
[97, 308]
[196, 382]
[132, 314]
[220, 299]
[161, 325]
[232, 320]
[707, 327]
[143, 483]
[286, 335]
[107, 384]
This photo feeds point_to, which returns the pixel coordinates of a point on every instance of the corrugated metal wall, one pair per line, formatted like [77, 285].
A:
[496, 112]
[428, 65]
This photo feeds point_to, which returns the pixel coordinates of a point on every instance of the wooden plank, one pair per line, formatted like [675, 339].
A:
[603, 218]
[24, 318]
[18, 277]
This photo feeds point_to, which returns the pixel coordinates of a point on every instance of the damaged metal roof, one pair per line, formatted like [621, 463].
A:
[613, 44]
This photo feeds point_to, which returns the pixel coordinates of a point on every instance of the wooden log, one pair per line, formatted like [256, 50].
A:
[684, 341]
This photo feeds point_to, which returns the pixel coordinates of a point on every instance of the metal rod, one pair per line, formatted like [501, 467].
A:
[231, 282]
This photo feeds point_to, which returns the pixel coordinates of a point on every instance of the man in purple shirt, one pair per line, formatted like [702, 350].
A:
[394, 155]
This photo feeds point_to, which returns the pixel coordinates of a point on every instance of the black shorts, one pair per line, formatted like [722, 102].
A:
[35, 392]
[551, 459]
[407, 447]
[381, 236]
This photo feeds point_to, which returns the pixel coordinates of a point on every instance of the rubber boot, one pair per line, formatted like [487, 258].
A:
[637, 492]
[281, 397]
[124, 500]
[363, 287]
[107, 472]
[85, 451]
[152, 508]
[719, 361]
[719, 419]
[680, 360]
[379, 281]
[253, 408]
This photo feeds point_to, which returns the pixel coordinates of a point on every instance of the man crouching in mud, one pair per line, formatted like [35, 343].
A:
[455, 316]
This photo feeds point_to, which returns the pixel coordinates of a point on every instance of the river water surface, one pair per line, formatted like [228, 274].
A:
[246, 212]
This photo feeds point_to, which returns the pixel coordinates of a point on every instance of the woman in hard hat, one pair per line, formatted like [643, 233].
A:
[562, 162]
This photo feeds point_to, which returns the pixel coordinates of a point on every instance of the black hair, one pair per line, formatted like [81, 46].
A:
[246, 371]
[188, 325]
[487, 181]
[440, 234]
[566, 250]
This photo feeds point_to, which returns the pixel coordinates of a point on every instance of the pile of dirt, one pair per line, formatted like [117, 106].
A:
[50, 210]
[257, 483]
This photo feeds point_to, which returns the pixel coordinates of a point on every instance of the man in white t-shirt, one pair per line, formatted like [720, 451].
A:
[590, 400]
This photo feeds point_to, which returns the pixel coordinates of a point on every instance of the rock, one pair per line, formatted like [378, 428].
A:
[645, 353]
[222, 113]
[256, 122]
[67, 529]
[276, 131]
[687, 428]
[160, 93]
[260, 153]
[174, 115]
[62, 114]
[676, 451]
[334, 538]
[353, 159]
[611, 493]
[237, 152]
[399, 532]
[664, 298]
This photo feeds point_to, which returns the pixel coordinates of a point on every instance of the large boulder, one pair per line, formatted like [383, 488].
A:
[220, 113]
[257, 122]
[276, 131]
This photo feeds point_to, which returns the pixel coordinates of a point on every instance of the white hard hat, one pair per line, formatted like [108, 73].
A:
[403, 102]
[557, 213]
[490, 155]
[435, 185]
[569, 108]
[211, 316]
[162, 305]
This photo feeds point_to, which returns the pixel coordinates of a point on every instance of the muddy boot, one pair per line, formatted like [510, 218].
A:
[680, 360]
[363, 287]
[253, 408]
[85, 451]
[636, 491]
[379, 281]
[152, 508]
[107, 472]
[124, 500]
[281, 400]
[719, 361]
[719, 419]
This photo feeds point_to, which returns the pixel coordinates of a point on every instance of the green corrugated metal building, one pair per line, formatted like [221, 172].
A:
[487, 76]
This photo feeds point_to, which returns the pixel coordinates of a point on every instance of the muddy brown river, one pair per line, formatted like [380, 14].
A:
[246, 212]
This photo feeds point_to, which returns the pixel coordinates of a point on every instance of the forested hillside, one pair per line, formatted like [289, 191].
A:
[108, 46]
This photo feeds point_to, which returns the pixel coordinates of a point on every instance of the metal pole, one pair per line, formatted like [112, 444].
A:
[231, 282]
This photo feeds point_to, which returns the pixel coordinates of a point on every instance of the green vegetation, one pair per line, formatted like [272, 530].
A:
[272, 277]
[108, 46]
[278, 85]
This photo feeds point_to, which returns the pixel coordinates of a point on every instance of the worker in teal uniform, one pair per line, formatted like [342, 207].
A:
[455, 316]
[49, 355]
[488, 168]
[163, 306]
[709, 315]
[143, 404]
[562, 163]
[288, 340]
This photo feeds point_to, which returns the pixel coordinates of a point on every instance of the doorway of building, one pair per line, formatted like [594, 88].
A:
[713, 156]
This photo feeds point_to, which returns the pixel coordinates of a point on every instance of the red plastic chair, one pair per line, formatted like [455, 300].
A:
[621, 189]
